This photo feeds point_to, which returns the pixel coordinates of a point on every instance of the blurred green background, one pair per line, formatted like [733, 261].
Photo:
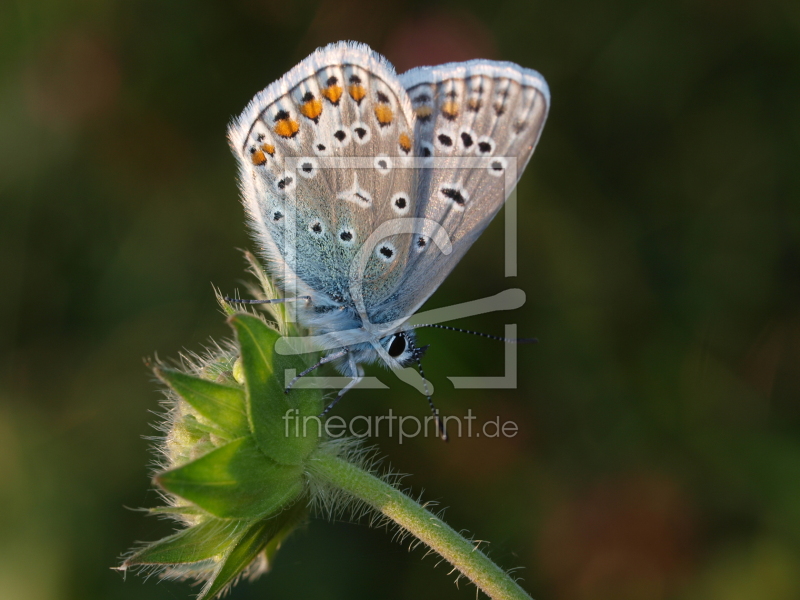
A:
[659, 447]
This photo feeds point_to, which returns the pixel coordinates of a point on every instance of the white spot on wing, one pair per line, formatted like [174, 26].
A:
[400, 203]
[385, 251]
[445, 140]
[454, 193]
[361, 133]
[356, 194]
[322, 147]
[346, 236]
[382, 164]
[307, 168]
[316, 228]
[497, 166]
[341, 137]
[285, 182]
[485, 146]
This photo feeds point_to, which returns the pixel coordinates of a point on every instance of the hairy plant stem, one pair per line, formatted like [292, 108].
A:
[424, 525]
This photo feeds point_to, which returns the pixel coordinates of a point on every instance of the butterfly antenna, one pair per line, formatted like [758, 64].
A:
[273, 301]
[418, 352]
[486, 335]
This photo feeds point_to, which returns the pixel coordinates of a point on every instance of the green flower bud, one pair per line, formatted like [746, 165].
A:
[234, 473]
[239, 479]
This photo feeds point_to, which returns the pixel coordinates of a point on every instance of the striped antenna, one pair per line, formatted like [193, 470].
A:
[486, 335]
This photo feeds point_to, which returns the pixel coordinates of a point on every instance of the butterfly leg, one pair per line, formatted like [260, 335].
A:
[324, 360]
[355, 381]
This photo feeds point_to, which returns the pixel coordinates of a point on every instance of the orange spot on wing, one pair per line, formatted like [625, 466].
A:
[357, 92]
[405, 143]
[383, 112]
[268, 148]
[287, 128]
[258, 158]
[332, 93]
[312, 109]
[423, 112]
[450, 109]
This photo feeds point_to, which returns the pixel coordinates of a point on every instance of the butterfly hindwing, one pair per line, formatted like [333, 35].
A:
[474, 121]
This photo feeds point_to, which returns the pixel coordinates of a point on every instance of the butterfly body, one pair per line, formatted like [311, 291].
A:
[362, 187]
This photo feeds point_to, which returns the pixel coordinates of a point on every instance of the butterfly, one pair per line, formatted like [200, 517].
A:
[365, 188]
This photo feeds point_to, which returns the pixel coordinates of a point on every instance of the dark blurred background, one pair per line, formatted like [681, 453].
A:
[659, 448]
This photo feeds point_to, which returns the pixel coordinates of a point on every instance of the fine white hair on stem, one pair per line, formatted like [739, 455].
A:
[333, 503]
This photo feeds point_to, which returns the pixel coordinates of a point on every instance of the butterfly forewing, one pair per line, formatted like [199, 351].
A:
[323, 151]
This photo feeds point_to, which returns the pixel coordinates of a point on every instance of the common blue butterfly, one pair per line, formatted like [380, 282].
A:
[365, 188]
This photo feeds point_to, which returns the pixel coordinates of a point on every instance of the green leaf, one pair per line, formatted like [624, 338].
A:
[235, 481]
[284, 425]
[256, 540]
[272, 547]
[193, 544]
[203, 431]
[222, 404]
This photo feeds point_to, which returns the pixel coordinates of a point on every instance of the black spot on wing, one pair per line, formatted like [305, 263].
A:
[454, 195]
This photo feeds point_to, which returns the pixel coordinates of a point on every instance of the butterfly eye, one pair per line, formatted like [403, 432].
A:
[397, 345]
